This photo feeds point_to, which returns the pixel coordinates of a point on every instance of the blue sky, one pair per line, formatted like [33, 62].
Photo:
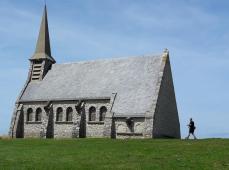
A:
[195, 32]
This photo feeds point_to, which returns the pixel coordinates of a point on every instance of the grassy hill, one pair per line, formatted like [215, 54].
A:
[114, 154]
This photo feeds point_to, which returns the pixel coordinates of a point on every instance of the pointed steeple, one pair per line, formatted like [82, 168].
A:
[42, 60]
[43, 50]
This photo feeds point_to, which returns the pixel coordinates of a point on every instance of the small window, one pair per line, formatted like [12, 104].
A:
[102, 113]
[92, 114]
[59, 114]
[29, 114]
[38, 115]
[69, 114]
[130, 124]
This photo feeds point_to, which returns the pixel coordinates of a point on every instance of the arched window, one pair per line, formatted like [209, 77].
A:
[130, 123]
[102, 113]
[29, 114]
[38, 115]
[69, 114]
[59, 114]
[92, 114]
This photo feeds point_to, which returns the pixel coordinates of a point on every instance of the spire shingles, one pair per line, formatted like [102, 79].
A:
[43, 50]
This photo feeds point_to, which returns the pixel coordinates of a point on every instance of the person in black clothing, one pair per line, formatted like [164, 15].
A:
[192, 128]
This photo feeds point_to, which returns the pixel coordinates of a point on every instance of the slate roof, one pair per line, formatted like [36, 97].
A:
[134, 80]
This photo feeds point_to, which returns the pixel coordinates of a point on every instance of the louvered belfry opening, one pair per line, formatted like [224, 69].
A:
[37, 70]
[42, 58]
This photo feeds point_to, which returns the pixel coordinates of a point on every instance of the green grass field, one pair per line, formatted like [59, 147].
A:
[114, 154]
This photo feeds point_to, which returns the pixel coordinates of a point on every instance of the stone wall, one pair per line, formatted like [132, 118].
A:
[64, 128]
[15, 118]
[95, 128]
[123, 130]
[166, 121]
[34, 128]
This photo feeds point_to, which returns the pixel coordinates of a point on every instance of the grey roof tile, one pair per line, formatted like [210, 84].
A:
[133, 79]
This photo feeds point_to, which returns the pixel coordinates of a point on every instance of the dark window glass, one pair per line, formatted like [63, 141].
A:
[29, 114]
[59, 114]
[69, 114]
[92, 114]
[38, 115]
[102, 113]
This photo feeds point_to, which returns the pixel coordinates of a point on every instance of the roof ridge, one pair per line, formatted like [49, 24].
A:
[111, 59]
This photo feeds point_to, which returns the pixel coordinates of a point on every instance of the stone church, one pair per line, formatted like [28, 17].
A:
[129, 97]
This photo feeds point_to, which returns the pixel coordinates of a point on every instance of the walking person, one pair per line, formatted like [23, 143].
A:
[192, 128]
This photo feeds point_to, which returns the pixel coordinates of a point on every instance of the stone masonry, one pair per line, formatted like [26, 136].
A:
[113, 98]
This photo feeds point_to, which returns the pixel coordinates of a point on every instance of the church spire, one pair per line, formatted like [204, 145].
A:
[43, 50]
[42, 60]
